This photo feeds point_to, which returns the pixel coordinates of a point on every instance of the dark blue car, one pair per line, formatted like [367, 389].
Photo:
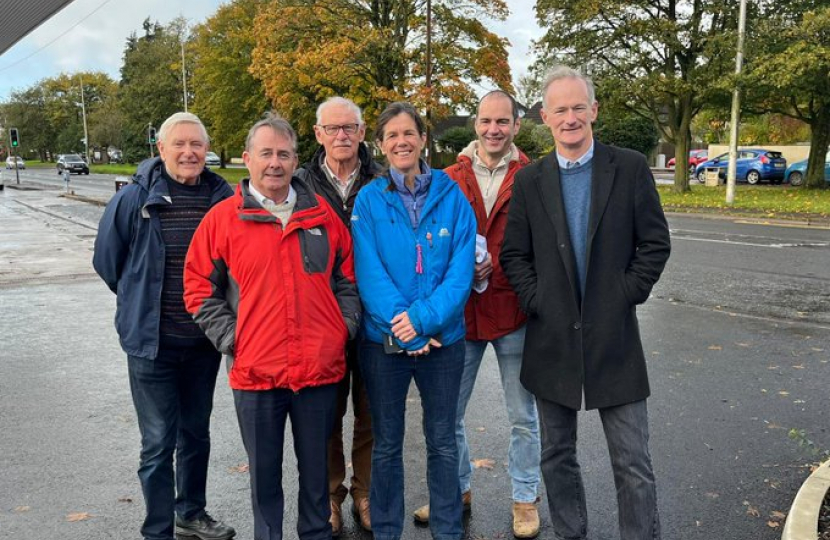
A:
[753, 166]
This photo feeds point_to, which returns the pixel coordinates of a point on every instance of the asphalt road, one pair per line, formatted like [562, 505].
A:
[737, 334]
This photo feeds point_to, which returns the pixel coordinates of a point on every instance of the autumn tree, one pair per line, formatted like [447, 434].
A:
[374, 52]
[789, 72]
[151, 85]
[660, 58]
[228, 98]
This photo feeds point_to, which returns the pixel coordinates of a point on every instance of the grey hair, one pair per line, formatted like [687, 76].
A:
[337, 100]
[277, 123]
[560, 72]
[181, 118]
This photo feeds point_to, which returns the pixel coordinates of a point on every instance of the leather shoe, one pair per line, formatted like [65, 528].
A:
[336, 519]
[421, 515]
[525, 520]
[361, 511]
[204, 527]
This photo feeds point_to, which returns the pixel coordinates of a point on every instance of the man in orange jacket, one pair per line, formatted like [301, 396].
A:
[485, 171]
[270, 279]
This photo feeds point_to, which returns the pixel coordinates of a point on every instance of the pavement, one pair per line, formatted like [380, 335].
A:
[727, 389]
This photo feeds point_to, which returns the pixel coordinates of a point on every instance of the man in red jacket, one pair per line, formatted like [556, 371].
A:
[485, 171]
[269, 277]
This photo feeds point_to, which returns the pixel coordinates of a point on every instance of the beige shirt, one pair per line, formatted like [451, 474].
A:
[489, 181]
[342, 188]
[282, 210]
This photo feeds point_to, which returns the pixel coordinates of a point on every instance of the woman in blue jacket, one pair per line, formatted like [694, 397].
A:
[414, 241]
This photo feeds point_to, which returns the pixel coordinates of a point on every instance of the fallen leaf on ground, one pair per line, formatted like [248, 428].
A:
[783, 393]
[22, 508]
[752, 511]
[78, 516]
[775, 514]
[484, 463]
[739, 344]
[481, 429]
[712, 495]
[124, 499]
[241, 468]
[773, 524]
[715, 348]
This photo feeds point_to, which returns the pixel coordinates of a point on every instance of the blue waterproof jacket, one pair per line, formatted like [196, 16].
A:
[129, 253]
[387, 250]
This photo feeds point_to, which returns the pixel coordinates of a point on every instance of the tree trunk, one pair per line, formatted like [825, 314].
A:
[684, 139]
[818, 149]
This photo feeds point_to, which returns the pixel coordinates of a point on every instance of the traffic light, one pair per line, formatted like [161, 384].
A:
[151, 135]
[14, 137]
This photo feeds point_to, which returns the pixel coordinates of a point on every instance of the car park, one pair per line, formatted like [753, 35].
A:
[797, 171]
[695, 157]
[752, 166]
[15, 162]
[72, 163]
[212, 160]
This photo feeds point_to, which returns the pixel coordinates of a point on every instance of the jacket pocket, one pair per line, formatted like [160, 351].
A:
[315, 249]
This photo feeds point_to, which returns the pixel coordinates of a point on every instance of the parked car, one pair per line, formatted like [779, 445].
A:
[795, 173]
[695, 157]
[212, 160]
[753, 166]
[72, 163]
[15, 162]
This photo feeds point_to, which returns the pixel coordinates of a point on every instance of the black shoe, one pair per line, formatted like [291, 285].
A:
[205, 528]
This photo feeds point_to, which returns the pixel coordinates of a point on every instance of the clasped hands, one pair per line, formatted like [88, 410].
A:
[403, 330]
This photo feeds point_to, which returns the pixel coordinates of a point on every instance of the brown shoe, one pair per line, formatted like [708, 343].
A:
[525, 520]
[361, 511]
[421, 515]
[336, 519]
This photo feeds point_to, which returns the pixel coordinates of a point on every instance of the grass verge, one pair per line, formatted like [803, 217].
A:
[766, 201]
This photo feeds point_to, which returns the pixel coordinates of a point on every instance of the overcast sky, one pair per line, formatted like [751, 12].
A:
[89, 35]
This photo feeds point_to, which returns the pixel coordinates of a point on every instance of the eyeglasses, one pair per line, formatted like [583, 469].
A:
[333, 129]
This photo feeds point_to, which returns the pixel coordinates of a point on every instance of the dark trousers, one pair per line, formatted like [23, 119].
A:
[173, 398]
[626, 432]
[262, 415]
[361, 434]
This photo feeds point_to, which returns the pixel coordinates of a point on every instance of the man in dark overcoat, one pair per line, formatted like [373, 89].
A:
[586, 240]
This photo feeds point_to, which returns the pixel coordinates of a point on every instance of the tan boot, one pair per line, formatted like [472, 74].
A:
[421, 515]
[525, 520]
[362, 513]
[336, 519]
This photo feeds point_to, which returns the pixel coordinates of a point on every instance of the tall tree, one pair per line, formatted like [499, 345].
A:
[151, 85]
[25, 111]
[789, 72]
[661, 58]
[374, 52]
[227, 97]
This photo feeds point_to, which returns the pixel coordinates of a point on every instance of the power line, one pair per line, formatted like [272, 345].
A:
[90, 14]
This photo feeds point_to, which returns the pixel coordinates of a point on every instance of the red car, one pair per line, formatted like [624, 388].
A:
[695, 157]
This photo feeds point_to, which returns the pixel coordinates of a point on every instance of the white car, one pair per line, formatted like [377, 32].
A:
[11, 164]
[212, 160]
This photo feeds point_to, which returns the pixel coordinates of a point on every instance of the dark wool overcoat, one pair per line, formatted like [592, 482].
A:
[592, 344]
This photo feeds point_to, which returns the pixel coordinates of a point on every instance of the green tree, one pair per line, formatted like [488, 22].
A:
[151, 85]
[25, 111]
[374, 53]
[456, 139]
[228, 98]
[789, 72]
[662, 59]
[628, 130]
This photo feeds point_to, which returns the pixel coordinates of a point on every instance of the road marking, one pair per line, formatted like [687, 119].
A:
[752, 244]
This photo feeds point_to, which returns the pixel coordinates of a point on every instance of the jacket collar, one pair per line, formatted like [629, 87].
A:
[251, 210]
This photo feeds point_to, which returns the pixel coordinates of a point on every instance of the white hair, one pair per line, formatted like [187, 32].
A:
[181, 118]
[337, 100]
[560, 72]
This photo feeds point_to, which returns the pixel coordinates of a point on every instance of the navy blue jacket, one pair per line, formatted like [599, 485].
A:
[129, 254]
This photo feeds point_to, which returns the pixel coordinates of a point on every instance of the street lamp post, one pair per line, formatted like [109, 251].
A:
[736, 110]
[86, 131]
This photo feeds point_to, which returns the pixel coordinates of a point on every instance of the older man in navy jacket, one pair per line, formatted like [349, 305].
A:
[139, 252]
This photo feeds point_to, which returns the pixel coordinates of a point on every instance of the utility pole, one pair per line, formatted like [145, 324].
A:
[736, 109]
[86, 131]
[429, 82]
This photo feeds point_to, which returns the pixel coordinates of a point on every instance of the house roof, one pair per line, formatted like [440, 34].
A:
[19, 17]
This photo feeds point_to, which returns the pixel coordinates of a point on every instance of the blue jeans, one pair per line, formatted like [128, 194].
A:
[626, 432]
[524, 450]
[438, 377]
[173, 398]
[262, 415]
